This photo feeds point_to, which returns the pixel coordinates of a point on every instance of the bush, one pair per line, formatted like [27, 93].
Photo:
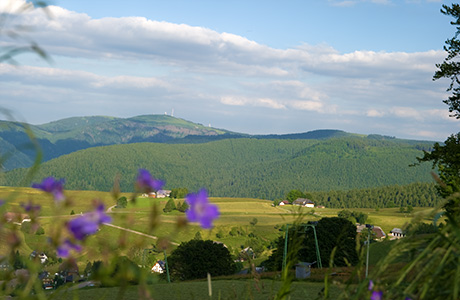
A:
[179, 193]
[195, 258]
[183, 207]
[331, 232]
[122, 202]
[40, 231]
[170, 206]
[354, 216]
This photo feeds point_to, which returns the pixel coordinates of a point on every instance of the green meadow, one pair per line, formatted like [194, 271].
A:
[235, 213]
[131, 232]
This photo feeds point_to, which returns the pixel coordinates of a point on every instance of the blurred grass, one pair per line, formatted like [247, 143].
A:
[221, 289]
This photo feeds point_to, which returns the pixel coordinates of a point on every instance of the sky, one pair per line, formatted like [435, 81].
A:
[257, 67]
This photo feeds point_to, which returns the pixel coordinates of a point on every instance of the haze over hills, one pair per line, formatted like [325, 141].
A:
[72, 134]
[89, 152]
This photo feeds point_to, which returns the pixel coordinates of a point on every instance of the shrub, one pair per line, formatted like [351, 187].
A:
[170, 206]
[183, 207]
[40, 231]
[331, 232]
[195, 258]
[122, 202]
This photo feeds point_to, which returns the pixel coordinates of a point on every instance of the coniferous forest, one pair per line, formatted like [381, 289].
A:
[368, 172]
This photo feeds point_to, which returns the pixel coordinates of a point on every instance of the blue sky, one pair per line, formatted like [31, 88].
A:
[256, 67]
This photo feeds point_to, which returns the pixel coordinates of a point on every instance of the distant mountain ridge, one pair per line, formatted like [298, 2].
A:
[68, 135]
[89, 152]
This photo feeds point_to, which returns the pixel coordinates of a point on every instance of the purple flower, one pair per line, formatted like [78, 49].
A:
[371, 285]
[64, 249]
[30, 207]
[376, 295]
[88, 223]
[200, 210]
[52, 186]
[146, 183]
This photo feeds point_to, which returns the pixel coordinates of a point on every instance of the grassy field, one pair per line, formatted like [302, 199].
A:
[221, 289]
[235, 213]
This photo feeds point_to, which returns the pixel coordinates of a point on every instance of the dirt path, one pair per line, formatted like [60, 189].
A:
[136, 232]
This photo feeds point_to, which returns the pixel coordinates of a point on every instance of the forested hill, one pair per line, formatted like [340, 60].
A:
[260, 168]
[73, 134]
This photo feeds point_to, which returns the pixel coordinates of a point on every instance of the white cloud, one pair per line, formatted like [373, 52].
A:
[198, 68]
[307, 105]
[260, 102]
[374, 113]
[406, 112]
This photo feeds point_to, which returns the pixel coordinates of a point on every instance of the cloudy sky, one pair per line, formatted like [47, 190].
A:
[254, 66]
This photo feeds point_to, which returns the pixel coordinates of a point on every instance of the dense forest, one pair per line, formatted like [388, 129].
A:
[72, 134]
[18, 141]
[414, 194]
[260, 168]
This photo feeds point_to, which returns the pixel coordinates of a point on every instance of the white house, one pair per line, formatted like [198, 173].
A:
[378, 232]
[159, 267]
[163, 193]
[42, 256]
[304, 202]
[397, 233]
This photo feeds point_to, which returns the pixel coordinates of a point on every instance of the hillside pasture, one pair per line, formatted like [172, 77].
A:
[236, 216]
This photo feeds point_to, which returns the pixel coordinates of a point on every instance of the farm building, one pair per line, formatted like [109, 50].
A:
[304, 202]
[159, 267]
[397, 233]
[377, 231]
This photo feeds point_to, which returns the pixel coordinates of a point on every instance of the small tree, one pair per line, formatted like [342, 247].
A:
[195, 258]
[122, 202]
[409, 209]
[333, 234]
[170, 206]
[344, 214]
[294, 195]
[183, 207]
[40, 231]
[198, 236]
[254, 222]
[178, 193]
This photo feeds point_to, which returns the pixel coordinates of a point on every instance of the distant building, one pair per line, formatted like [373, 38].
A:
[397, 233]
[159, 267]
[160, 194]
[163, 193]
[41, 256]
[16, 217]
[377, 231]
[304, 202]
